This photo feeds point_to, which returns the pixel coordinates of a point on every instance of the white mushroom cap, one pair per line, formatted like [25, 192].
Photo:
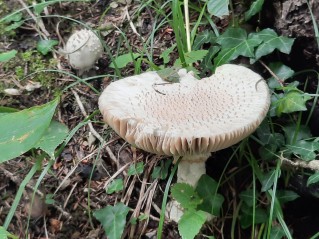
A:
[192, 117]
[83, 49]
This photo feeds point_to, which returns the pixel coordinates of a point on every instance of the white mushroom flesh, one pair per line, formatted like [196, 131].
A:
[192, 117]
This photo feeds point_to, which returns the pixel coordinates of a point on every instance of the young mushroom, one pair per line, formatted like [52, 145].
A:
[188, 119]
[83, 49]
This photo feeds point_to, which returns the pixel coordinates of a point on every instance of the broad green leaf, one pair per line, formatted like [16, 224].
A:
[116, 186]
[277, 232]
[255, 8]
[246, 216]
[248, 197]
[170, 74]
[161, 171]
[202, 38]
[5, 110]
[270, 42]
[185, 195]
[122, 60]
[285, 196]
[235, 43]
[207, 63]
[6, 56]
[207, 190]
[190, 223]
[267, 180]
[218, 8]
[45, 46]
[136, 169]
[267, 137]
[282, 71]
[165, 54]
[290, 130]
[306, 150]
[38, 8]
[20, 131]
[113, 219]
[291, 102]
[52, 137]
[313, 179]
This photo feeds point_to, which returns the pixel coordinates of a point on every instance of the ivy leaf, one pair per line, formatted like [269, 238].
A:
[122, 60]
[207, 190]
[6, 56]
[277, 232]
[218, 8]
[247, 215]
[185, 195]
[202, 38]
[136, 169]
[113, 219]
[282, 71]
[248, 197]
[313, 179]
[305, 149]
[161, 172]
[267, 180]
[20, 131]
[235, 43]
[285, 196]
[292, 101]
[270, 42]
[45, 46]
[290, 130]
[194, 56]
[207, 63]
[52, 137]
[255, 7]
[116, 186]
[39, 7]
[190, 223]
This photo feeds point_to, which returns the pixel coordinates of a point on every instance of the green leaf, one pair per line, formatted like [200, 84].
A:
[313, 179]
[4, 234]
[290, 130]
[116, 186]
[282, 71]
[268, 138]
[170, 74]
[52, 137]
[255, 8]
[39, 7]
[202, 38]
[194, 56]
[122, 60]
[207, 191]
[136, 169]
[248, 197]
[13, 26]
[20, 131]
[218, 8]
[247, 215]
[270, 42]
[305, 149]
[49, 199]
[165, 54]
[207, 63]
[45, 46]
[113, 219]
[185, 195]
[5, 110]
[190, 223]
[291, 102]
[16, 17]
[161, 172]
[277, 232]
[6, 56]
[285, 196]
[267, 180]
[234, 42]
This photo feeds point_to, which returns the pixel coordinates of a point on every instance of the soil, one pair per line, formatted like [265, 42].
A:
[78, 176]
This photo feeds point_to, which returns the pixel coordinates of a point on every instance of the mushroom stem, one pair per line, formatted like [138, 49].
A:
[190, 169]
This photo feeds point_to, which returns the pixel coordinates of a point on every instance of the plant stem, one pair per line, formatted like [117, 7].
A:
[188, 36]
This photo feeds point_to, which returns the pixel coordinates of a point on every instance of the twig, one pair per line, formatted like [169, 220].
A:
[280, 81]
[298, 163]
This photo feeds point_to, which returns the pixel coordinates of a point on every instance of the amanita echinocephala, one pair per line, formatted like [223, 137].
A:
[188, 119]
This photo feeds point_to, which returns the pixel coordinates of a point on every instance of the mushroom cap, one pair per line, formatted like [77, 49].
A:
[192, 117]
[83, 49]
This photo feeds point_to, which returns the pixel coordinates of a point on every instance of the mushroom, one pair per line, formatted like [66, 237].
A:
[83, 49]
[189, 119]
